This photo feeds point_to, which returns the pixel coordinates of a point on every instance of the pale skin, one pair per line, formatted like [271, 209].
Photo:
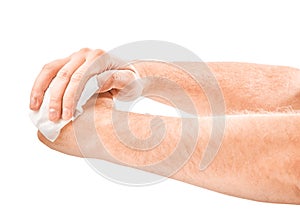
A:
[259, 158]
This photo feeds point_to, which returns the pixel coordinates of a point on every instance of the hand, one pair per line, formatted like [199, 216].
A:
[66, 79]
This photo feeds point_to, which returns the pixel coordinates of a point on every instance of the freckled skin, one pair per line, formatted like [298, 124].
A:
[259, 158]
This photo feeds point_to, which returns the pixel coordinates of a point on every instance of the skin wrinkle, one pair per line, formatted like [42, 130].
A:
[259, 155]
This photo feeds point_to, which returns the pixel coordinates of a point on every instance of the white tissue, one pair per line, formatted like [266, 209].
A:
[51, 129]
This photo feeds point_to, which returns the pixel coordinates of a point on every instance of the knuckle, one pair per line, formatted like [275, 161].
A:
[54, 105]
[79, 74]
[52, 65]
[63, 73]
[81, 53]
[85, 50]
[69, 98]
[36, 92]
[129, 75]
[68, 102]
[115, 76]
[77, 77]
[67, 106]
[95, 54]
[54, 99]
[98, 52]
[48, 66]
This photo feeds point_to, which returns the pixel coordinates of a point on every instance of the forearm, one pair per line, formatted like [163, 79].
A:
[245, 87]
[258, 159]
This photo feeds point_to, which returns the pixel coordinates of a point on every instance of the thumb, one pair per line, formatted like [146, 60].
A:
[124, 81]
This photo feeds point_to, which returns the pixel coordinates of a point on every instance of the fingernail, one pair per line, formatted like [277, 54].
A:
[52, 114]
[33, 102]
[66, 114]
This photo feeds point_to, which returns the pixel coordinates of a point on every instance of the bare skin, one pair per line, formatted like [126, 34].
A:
[259, 158]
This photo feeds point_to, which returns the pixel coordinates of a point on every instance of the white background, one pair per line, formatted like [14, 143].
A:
[41, 185]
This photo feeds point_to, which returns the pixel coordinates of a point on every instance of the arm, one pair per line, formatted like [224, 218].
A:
[258, 159]
[245, 86]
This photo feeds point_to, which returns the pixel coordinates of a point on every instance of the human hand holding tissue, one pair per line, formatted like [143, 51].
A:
[64, 86]
[66, 78]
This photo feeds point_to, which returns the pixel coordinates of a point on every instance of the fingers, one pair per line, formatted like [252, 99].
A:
[69, 83]
[74, 89]
[67, 78]
[77, 82]
[42, 82]
[59, 85]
